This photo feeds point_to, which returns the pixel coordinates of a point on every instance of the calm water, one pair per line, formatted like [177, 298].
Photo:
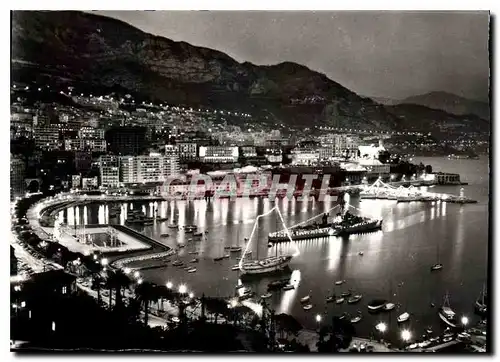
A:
[395, 264]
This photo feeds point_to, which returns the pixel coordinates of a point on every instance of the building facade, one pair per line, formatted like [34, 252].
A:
[219, 154]
[109, 170]
[17, 175]
[145, 169]
[85, 144]
[47, 137]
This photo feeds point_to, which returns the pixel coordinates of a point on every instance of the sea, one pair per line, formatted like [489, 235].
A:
[394, 265]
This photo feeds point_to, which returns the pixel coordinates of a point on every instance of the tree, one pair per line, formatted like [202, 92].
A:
[119, 281]
[144, 293]
[428, 169]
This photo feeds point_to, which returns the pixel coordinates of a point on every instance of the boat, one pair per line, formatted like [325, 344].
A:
[246, 295]
[429, 330]
[342, 225]
[226, 256]
[288, 287]
[277, 284]
[339, 300]
[346, 294]
[267, 265]
[305, 299]
[235, 267]
[307, 306]
[195, 260]
[403, 317]
[218, 258]
[360, 253]
[190, 239]
[446, 314]
[270, 245]
[233, 249]
[266, 296]
[181, 245]
[165, 235]
[191, 270]
[177, 263]
[338, 282]
[436, 267]
[376, 305]
[343, 316]
[356, 319]
[354, 299]
[193, 252]
[330, 299]
[173, 226]
[239, 286]
[198, 234]
[480, 304]
[389, 306]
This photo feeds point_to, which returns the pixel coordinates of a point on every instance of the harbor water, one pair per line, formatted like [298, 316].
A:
[394, 265]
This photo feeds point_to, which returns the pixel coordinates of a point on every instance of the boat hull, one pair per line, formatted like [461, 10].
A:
[266, 266]
[446, 320]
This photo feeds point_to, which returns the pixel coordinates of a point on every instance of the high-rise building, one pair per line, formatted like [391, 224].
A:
[17, 175]
[145, 169]
[91, 133]
[188, 151]
[46, 137]
[109, 170]
[126, 141]
[80, 144]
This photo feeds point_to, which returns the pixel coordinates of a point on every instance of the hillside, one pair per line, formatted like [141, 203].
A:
[76, 48]
[450, 103]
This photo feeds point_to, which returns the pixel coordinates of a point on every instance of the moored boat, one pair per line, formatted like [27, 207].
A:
[403, 317]
[288, 287]
[266, 296]
[446, 314]
[305, 299]
[357, 318]
[389, 306]
[339, 300]
[267, 265]
[376, 305]
[436, 267]
[354, 299]
[307, 306]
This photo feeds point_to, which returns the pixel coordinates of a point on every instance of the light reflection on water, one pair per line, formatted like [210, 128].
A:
[401, 253]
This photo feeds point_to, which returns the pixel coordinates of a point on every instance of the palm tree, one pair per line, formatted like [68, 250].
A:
[118, 281]
[144, 293]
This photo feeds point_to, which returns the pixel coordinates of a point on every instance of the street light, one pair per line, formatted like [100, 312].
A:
[127, 270]
[465, 321]
[182, 289]
[139, 281]
[191, 295]
[136, 274]
[234, 303]
[318, 318]
[381, 327]
[406, 335]
[169, 285]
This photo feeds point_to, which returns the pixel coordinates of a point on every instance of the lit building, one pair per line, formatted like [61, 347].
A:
[346, 145]
[326, 153]
[371, 152]
[219, 154]
[80, 144]
[145, 169]
[76, 181]
[305, 157]
[47, 137]
[187, 151]
[248, 151]
[17, 175]
[109, 170]
[90, 183]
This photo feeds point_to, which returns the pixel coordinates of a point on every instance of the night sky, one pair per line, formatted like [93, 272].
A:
[381, 54]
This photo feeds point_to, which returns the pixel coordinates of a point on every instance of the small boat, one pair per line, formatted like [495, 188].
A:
[436, 267]
[173, 226]
[339, 300]
[389, 306]
[193, 252]
[198, 234]
[195, 260]
[246, 295]
[265, 296]
[181, 245]
[269, 245]
[277, 284]
[403, 317]
[446, 314]
[338, 282]
[305, 299]
[307, 306]
[190, 239]
[177, 263]
[218, 258]
[356, 319]
[354, 299]
[346, 294]
[226, 256]
[429, 330]
[191, 270]
[376, 305]
[288, 287]
[433, 305]
[343, 316]
[165, 235]
[235, 267]
[233, 249]
[360, 253]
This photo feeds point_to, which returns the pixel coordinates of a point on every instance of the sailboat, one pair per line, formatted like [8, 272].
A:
[234, 248]
[480, 304]
[446, 314]
[438, 265]
[219, 258]
[266, 265]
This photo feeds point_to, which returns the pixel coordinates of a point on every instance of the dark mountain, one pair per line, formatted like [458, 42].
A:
[450, 103]
[385, 101]
[86, 50]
